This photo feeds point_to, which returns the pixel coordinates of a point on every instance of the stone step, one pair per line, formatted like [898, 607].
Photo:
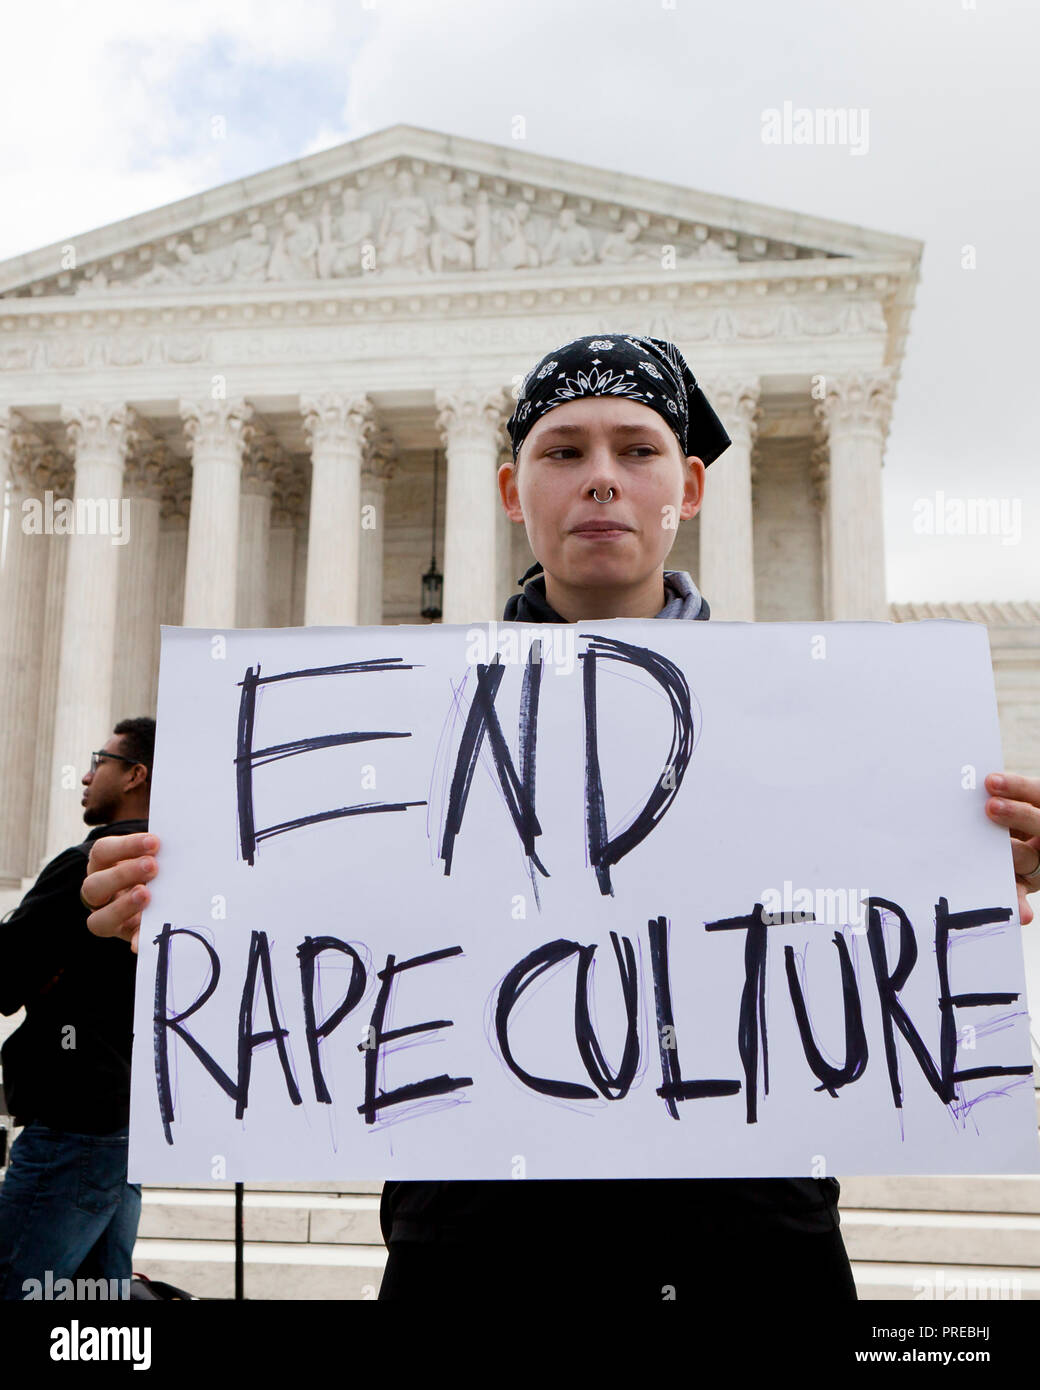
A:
[347, 1186]
[946, 1238]
[323, 1218]
[340, 1272]
[938, 1236]
[271, 1270]
[946, 1193]
[961, 1287]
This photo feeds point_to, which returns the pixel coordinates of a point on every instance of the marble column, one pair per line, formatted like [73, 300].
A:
[818, 470]
[286, 501]
[254, 534]
[217, 432]
[855, 412]
[299, 589]
[174, 514]
[377, 470]
[470, 421]
[83, 718]
[138, 603]
[25, 462]
[61, 482]
[338, 427]
[727, 556]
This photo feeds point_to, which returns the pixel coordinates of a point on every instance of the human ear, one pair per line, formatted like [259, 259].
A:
[693, 487]
[509, 492]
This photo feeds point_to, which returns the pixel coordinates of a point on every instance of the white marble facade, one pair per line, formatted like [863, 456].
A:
[249, 388]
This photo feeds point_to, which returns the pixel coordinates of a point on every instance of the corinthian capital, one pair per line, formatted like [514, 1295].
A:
[217, 426]
[22, 449]
[337, 421]
[380, 461]
[98, 428]
[472, 413]
[8, 428]
[734, 400]
[819, 473]
[176, 493]
[290, 490]
[261, 460]
[857, 403]
[147, 458]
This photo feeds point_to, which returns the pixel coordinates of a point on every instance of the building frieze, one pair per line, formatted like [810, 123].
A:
[399, 222]
[295, 339]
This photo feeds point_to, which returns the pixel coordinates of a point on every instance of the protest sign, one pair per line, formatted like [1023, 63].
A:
[620, 898]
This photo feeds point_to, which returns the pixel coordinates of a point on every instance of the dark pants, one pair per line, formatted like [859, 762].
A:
[66, 1207]
[761, 1266]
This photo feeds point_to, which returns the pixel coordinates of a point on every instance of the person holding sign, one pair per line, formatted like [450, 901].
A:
[611, 437]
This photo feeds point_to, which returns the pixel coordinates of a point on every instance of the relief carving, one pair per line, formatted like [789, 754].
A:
[409, 230]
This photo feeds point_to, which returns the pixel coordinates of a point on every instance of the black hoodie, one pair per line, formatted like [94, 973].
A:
[68, 1065]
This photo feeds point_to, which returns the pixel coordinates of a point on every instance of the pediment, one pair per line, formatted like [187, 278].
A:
[408, 204]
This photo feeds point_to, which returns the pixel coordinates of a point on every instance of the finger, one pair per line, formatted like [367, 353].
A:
[1014, 815]
[1014, 787]
[110, 849]
[1024, 854]
[117, 917]
[128, 930]
[1025, 912]
[103, 885]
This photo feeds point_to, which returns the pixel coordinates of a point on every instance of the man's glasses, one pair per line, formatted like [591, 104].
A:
[95, 758]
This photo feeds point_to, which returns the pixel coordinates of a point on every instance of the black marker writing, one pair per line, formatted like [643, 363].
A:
[247, 757]
[416, 1090]
[604, 851]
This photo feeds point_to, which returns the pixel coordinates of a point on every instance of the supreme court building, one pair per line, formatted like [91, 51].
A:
[227, 412]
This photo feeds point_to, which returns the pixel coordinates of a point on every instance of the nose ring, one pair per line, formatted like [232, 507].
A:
[610, 494]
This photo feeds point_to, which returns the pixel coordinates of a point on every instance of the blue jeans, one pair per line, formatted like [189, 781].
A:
[66, 1207]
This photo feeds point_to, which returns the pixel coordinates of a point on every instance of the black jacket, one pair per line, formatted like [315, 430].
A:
[68, 1064]
[611, 1212]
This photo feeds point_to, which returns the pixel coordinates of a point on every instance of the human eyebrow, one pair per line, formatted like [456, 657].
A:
[648, 429]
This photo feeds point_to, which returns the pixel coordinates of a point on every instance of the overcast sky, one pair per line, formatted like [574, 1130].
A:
[108, 109]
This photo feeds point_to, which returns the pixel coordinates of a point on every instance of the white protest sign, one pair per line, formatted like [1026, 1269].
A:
[633, 899]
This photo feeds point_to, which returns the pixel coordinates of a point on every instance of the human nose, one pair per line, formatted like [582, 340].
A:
[603, 472]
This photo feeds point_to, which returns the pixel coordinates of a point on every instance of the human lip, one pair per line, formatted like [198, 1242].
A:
[601, 528]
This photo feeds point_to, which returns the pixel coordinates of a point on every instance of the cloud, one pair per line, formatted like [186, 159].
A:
[116, 108]
[110, 110]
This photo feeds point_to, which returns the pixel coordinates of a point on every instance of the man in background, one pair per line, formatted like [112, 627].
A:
[66, 1207]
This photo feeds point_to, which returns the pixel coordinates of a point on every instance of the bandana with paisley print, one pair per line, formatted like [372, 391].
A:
[649, 370]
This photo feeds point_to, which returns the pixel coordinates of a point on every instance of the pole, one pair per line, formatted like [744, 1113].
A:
[239, 1244]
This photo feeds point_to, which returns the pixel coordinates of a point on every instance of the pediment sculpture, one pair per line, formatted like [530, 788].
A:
[410, 233]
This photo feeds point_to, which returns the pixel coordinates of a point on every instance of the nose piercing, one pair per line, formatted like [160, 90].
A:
[610, 494]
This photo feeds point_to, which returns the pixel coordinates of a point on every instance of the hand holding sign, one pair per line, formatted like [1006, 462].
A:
[429, 903]
[117, 870]
[1020, 813]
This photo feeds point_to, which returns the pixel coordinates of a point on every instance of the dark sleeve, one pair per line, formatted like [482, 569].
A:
[43, 932]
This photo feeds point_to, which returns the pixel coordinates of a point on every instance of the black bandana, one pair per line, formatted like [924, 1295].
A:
[649, 370]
